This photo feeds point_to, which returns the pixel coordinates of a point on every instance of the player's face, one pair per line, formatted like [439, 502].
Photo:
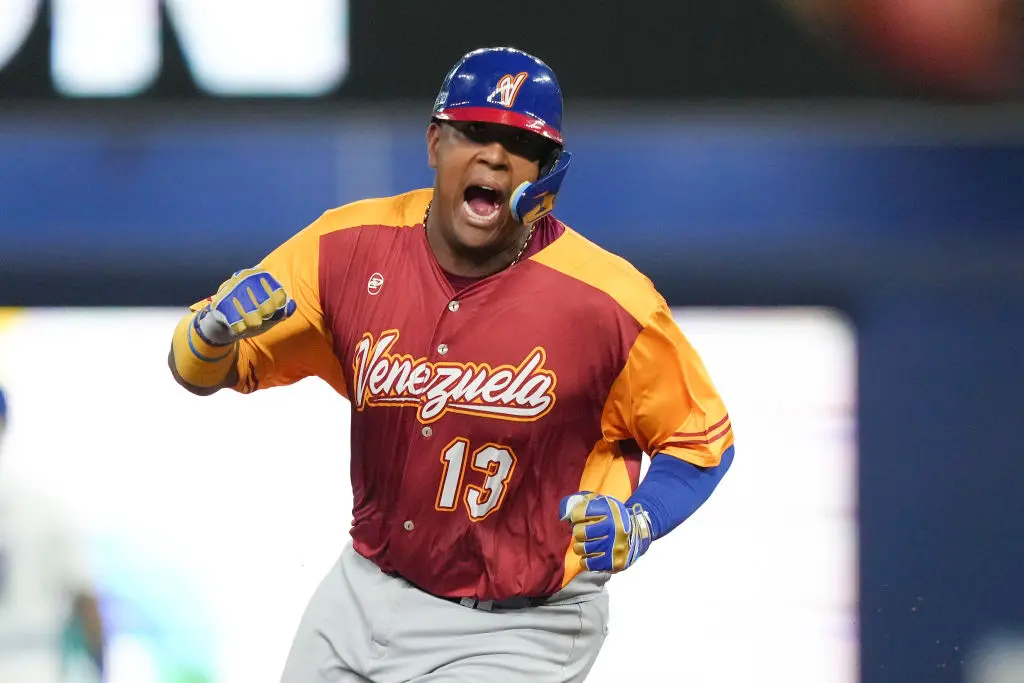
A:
[478, 165]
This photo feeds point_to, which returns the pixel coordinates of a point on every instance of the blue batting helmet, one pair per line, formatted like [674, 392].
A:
[508, 86]
[3, 405]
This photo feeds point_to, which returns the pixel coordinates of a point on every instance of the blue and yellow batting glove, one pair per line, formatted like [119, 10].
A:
[248, 304]
[607, 535]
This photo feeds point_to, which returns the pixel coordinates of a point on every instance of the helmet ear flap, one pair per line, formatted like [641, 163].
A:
[532, 201]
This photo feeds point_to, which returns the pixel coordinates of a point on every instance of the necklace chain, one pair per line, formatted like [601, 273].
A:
[522, 249]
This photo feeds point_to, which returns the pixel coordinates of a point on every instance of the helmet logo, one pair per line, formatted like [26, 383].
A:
[507, 90]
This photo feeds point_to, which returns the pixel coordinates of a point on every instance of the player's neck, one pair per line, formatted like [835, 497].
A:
[463, 263]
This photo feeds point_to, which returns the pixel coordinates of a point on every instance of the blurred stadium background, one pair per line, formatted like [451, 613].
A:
[830, 192]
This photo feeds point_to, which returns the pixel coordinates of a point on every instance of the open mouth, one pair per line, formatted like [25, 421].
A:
[482, 202]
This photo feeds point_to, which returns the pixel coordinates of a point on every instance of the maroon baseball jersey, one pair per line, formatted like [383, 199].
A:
[475, 412]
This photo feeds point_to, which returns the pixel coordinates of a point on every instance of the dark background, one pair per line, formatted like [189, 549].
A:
[609, 50]
[734, 156]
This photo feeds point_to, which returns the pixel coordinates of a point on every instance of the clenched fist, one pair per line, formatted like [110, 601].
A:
[607, 535]
[248, 304]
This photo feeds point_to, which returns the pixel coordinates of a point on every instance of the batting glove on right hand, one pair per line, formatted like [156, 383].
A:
[249, 303]
[607, 535]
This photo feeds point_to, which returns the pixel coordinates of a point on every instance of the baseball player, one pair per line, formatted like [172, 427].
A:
[505, 377]
[45, 587]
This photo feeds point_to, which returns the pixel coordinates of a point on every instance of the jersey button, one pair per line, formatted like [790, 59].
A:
[453, 306]
[442, 349]
[408, 526]
[427, 432]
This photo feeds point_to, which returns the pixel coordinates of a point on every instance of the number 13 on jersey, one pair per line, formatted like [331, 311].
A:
[494, 461]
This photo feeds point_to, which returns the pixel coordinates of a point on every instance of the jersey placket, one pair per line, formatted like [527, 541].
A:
[443, 343]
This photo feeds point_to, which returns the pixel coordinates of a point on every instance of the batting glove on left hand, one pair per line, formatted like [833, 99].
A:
[608, 536]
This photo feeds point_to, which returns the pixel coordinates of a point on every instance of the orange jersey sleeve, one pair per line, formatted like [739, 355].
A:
[665, 399]
[300, 346]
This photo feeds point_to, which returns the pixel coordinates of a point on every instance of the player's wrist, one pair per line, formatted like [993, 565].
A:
[198, 362]
[641, 529]
[649, 514]
[202, 347]
[211, 331]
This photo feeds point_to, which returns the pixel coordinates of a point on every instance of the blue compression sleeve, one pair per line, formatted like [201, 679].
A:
[673, 490]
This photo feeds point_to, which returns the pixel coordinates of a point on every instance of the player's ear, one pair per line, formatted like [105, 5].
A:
[433, 141]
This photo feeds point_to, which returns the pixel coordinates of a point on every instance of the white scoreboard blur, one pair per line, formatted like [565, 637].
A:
[111, 48]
